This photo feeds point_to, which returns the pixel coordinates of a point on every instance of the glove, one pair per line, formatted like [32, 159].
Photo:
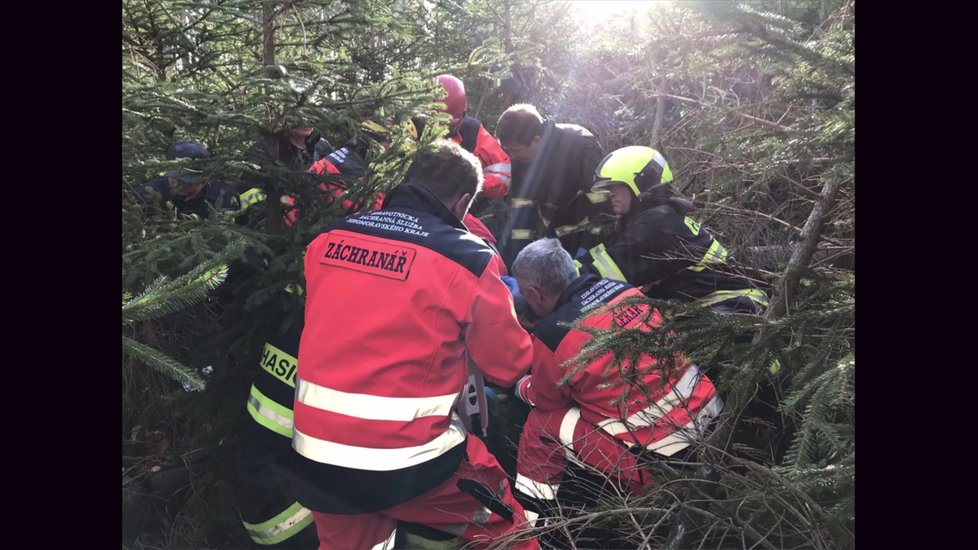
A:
[511, 284]
[523, 389]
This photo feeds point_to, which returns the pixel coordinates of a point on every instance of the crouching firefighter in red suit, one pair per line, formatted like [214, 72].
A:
[596, 419]
[395, 299]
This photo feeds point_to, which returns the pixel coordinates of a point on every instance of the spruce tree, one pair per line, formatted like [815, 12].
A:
[752, 103]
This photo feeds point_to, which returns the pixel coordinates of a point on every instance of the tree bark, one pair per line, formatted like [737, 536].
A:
[660, 109]
[268, 32]
[802, 256]
[508, 28]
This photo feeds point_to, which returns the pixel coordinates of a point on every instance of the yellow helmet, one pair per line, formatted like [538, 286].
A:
[380, 129]
[410, 129]
[638, 167]
[375, 129]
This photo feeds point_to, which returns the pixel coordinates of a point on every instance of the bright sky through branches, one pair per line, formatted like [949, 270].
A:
[594, 13]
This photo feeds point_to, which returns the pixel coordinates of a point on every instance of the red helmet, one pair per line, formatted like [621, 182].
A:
[455, 102]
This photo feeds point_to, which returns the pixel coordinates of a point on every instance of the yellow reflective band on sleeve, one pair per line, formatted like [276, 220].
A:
[293, 519]
[564, 230]
[270, 414]
[716, 254]
[578, 265]
[293, 288]
[774, 367]
[598, 197]
[521, 234]
[521, 203]
[605, 265]
[713, 298]
[279, 364]
[693, 225]
[252, 196]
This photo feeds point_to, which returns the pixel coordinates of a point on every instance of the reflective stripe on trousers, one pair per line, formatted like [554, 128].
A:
[676, 396]
[270, 414]
[666, 446]
[722, 295]
[293, 519]
[682, 438]
[567, 426]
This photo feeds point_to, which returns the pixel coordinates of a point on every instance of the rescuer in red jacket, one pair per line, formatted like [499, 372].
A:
[472, 136]
[266, 500]
[395, 299]
[596, 416]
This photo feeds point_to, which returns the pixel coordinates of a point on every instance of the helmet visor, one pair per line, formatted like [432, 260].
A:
[602, 186]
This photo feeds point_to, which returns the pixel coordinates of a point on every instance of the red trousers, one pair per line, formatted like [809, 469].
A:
[551, 438]
[447, 508]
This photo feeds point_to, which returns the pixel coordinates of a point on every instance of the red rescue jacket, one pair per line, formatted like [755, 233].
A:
[343, 161]
[678, 396]
[394, 300]
[496, 167]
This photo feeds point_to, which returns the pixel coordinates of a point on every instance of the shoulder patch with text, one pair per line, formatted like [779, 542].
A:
[369, 256]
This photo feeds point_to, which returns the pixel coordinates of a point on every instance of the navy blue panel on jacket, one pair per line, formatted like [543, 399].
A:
[585, 292]
[411, 213]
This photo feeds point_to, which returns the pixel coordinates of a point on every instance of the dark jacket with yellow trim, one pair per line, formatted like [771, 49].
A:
[557, 182]
[656, 242]
[218, 196]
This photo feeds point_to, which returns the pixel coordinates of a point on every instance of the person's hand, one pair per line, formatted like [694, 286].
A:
[510, 282]
[523, 388]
